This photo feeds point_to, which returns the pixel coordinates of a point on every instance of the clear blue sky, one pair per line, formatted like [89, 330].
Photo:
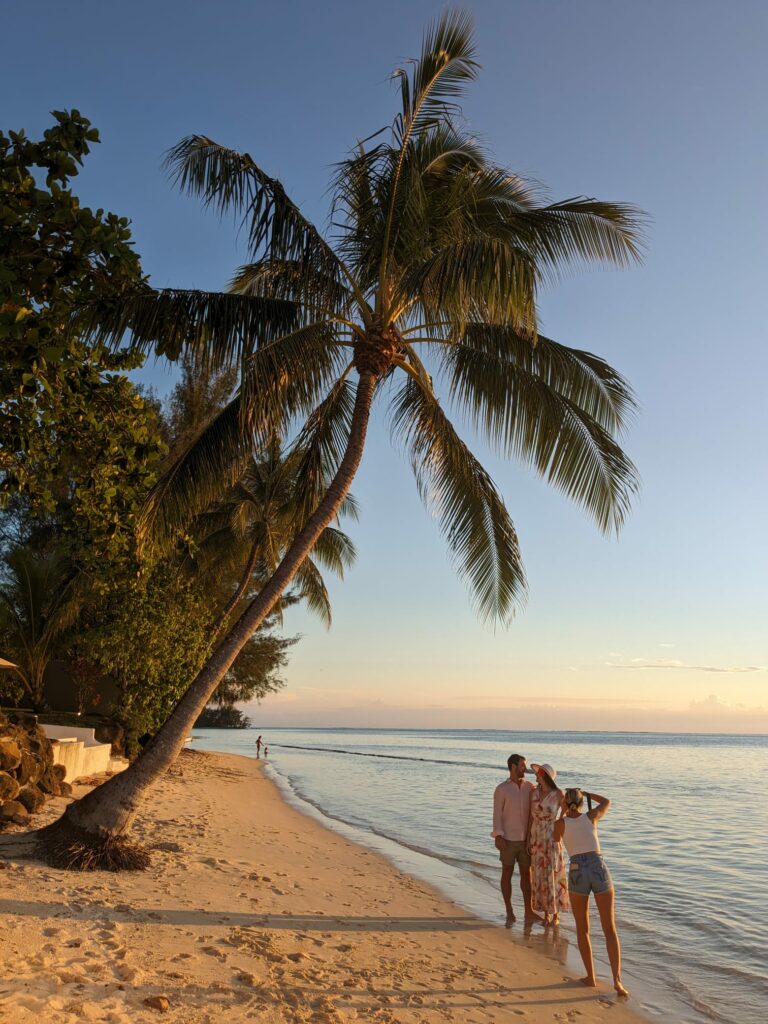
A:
[661, 104]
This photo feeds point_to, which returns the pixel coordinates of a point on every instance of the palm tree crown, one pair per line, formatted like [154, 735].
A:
[429, 282]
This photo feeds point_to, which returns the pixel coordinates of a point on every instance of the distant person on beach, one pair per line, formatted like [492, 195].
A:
[266, 750]
[549, 879]
[588, 873]
[258, 746]
[511, 812]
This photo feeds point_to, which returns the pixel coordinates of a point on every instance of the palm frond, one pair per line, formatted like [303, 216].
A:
[472, 514]
[229, 181]
[580, 232]
[478, 276]
[289, 377]
[319, 447]
[283, 280]
[217, 329]
[335, 551]
[196, 478]
[350, 508]
[314, 592]
[427, 96]
[429, 88]
[585, 379]
[285, 378]
[524, 416]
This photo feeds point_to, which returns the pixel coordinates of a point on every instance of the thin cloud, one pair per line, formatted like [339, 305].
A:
[674, 663]
[717, 705]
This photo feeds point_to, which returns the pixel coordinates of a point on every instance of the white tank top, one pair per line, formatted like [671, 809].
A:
[580, 835]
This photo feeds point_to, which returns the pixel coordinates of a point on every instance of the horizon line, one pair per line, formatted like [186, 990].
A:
[553, 732]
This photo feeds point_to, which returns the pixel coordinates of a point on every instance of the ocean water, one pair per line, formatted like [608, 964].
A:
[686, 839]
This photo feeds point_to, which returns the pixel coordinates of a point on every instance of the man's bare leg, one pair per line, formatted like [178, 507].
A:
[525, 887]
[506, 891]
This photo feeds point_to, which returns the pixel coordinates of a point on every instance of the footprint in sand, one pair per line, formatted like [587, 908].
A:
[213, 951]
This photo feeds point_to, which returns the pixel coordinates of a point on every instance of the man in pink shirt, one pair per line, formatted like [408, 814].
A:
[511, 809]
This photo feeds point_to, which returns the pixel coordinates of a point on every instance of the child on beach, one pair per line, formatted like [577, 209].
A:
[588, 873]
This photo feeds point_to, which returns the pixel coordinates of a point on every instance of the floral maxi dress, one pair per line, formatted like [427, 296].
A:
[549, 879]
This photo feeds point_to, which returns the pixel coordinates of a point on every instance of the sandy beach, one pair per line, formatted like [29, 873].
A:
[252, 911]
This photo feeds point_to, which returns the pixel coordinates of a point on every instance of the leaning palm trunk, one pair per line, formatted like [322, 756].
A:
[109, 810]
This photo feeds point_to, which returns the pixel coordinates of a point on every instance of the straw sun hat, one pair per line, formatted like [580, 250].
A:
[545, 768]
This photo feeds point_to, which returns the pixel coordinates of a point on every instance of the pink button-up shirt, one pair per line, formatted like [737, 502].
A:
[511, 807]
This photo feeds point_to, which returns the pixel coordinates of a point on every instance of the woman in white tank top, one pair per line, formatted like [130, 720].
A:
[588, 873]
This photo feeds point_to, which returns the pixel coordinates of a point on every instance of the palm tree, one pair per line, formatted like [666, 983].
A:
[258, 518]
[426, 285]
[39, 601]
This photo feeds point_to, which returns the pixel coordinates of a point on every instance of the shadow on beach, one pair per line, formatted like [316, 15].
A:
[274, 922]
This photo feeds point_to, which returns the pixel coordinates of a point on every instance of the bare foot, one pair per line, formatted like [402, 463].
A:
[588, 981]
[622, 992]
[556, 921]
[510, 919]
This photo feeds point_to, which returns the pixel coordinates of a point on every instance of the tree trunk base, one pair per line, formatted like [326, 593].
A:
[67, 846]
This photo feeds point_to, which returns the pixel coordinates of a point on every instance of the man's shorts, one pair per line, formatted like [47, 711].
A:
[588, 873]
[515, 851]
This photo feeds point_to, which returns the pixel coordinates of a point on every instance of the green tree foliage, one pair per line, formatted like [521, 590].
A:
[39, 600]
[151, 628]
[223, 718]
[147, 634]
[74, 431]
[80, 448]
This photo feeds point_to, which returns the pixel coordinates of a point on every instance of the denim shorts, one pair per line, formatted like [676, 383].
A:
[588, 873]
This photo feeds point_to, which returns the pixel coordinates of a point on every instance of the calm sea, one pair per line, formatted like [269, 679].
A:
[686, 839]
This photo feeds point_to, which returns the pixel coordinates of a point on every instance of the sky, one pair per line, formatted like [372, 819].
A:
[661, 104]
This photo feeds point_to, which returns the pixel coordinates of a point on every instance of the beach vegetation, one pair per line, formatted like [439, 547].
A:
[80, 447]
[223, 718]
[423, 297]
[39, 600]
[58, 391]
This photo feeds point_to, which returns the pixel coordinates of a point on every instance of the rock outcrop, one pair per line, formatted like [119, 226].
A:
[27, 772]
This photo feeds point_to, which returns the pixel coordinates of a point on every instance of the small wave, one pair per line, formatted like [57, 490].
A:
[391, 757]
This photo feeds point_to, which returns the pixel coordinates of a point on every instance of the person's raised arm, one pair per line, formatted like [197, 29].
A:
[603, 803]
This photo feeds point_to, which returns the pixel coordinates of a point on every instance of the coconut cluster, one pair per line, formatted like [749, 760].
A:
[28, 775]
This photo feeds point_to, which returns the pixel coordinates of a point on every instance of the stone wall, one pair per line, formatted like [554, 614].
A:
[28, 774]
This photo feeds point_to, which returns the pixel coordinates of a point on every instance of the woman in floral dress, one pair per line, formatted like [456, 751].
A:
[549, 878]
